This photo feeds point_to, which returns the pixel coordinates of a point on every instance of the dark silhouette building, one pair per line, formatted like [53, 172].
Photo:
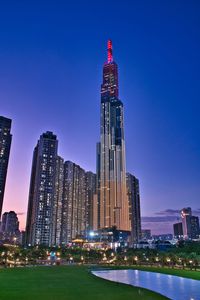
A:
[178, 230]
[5, 144]
[133, 192]
[10, 223]
[194, 227]
[41, 205]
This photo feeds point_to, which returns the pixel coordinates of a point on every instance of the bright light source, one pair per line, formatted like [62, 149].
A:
[91, 233]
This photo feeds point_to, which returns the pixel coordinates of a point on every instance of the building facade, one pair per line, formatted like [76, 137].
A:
[186, 213]
[190, 224]
[5, 144]
[58, 202]
[39, 226]
[113, 200]
[91, 182]
[178, 230]
[10, 223]
[133, 192]
[194, 227]
[74, 203]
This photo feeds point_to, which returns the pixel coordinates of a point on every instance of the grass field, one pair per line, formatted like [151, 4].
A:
[64, 282]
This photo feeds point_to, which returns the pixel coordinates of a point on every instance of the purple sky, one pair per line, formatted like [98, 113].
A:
[51, 59]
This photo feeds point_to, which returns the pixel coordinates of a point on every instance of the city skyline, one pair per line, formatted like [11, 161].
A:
[161, 106]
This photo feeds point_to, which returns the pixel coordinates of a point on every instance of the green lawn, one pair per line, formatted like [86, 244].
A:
[70, 282]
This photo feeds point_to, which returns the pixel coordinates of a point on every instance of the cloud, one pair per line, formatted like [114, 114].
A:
[162, 219]
[196, 211]
[168, 212]
[20, 213]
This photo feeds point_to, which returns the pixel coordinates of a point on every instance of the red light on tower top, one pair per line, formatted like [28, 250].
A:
[109, 49]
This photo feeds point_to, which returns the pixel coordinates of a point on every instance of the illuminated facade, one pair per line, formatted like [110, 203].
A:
[186, 213]
[190, 224]
[111, 168]
[5, 144]
[58, 201]
[39, 226]
[90, 200]
[74, 203]
[133, 192]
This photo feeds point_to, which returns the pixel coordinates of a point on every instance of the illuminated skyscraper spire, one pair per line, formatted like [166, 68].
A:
[111, 170]
[109, 49]
[109, 87]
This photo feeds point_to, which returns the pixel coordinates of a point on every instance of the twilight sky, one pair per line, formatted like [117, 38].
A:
[51, 58]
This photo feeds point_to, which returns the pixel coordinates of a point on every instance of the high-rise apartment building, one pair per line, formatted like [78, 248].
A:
[133, 192]
[39, 227]
[74, 202]
[194, 227]
[190, 224]
[5, 144]
[186, 213]
[113, 200]
[10, 223]
[58, 202]
[90, 200]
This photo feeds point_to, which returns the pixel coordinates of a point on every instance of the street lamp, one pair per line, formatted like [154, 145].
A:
[82, 259]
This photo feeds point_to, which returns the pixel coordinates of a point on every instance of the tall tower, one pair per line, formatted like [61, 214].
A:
[112, 198]
[41, 206]
[5, 143]
[133, 192]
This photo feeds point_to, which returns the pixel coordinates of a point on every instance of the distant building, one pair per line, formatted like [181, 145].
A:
[146, 234]
[186, 213]
[178, 230]
[194, 227]
[133, 193]
[10, 223]
[41, 205]
[74, 203]
[189, 227]
[5, 144]
[163, 237]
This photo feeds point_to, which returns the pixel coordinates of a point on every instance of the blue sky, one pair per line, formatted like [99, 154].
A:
[51, 59]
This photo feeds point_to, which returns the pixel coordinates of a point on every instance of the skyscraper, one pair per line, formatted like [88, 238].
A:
[186, 213]
[39, 226]
[133, 192]
[74, 202]
[111, 168]
[190, 224]
[5, 144]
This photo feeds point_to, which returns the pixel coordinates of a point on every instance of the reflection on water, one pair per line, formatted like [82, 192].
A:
[173, 287]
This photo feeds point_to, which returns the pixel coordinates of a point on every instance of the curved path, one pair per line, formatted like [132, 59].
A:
[173, 287]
